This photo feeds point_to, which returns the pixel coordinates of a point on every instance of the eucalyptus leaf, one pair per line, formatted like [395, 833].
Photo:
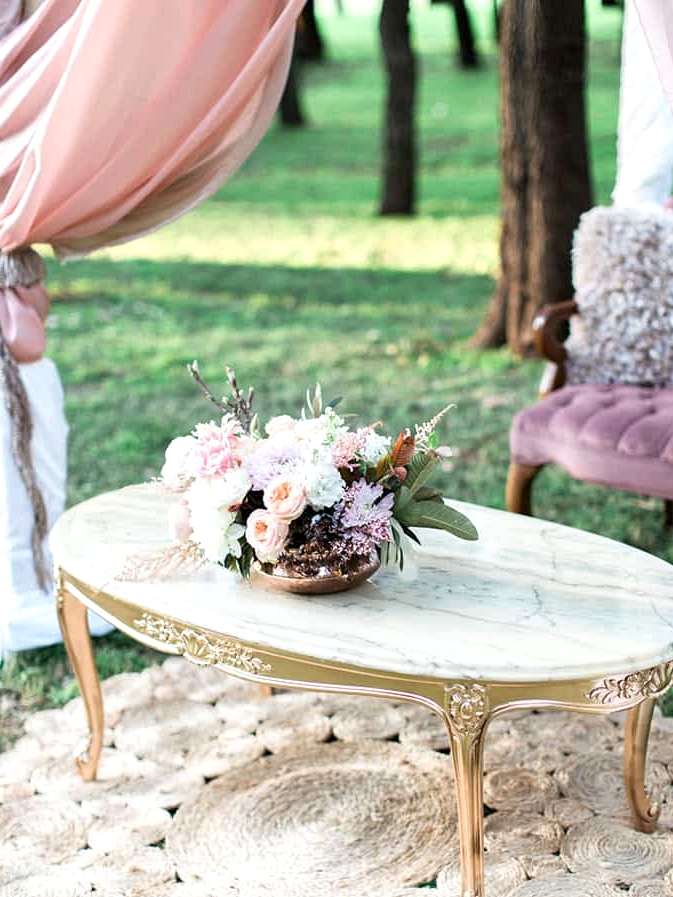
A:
[420, 469]
[404, 500]
[429, 493]
[431, 515]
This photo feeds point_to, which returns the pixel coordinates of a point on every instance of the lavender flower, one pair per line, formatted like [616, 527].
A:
[364, 509]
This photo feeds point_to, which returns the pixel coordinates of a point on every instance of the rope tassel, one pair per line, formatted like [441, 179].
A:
[21, 273]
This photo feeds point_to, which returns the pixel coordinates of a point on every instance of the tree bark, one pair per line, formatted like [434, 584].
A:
[546, 182]
[291, 115]
[399, 146]
[309, 43]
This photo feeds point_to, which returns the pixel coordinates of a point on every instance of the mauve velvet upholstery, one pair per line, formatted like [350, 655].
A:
[620, 436]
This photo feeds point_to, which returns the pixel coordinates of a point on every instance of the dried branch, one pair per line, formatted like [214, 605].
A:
[176, 560]
[193, 369]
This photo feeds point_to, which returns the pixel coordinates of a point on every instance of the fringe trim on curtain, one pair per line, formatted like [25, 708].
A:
[23, 267]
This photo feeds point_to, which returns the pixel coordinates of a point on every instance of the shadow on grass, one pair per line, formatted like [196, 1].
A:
[188, 290]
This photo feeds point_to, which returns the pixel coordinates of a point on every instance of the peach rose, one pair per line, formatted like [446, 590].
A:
[266, 534]
[285, 497]
[179, 523]
[280, 424]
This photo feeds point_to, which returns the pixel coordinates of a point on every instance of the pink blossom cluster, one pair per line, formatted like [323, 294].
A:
[244, 492]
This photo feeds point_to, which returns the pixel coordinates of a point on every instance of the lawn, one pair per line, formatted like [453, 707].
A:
[288, 275]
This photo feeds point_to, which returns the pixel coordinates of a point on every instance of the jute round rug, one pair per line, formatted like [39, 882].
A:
[340, 818]
[206, 788]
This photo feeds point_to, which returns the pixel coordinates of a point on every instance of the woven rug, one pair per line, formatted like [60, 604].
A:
[206, 788]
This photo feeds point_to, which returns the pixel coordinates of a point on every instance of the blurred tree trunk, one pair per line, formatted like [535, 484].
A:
[467, 48]
[399, 147]
[309, 43]
[546, 182]
[291, 114]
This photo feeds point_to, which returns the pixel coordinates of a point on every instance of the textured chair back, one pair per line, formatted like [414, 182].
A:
[623, 278]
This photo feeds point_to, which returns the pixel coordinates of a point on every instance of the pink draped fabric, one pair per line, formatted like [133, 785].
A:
[117, 116]
[23, 311]
[656, 17]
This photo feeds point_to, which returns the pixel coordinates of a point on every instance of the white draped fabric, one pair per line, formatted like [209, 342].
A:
[28, 614]
[645, 131]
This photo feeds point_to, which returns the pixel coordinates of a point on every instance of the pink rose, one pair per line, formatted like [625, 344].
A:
[266, 534]
[179, 523]
[213, 453]
[285, 498]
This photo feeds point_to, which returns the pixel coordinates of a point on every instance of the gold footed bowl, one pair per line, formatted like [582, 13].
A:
[320, 585]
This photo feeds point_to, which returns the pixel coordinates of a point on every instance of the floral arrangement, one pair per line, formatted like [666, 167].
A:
[309, 496]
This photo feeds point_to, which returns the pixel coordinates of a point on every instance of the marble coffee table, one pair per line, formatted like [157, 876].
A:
[532, 615]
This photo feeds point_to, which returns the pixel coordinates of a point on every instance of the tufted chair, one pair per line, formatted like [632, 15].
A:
[606, 408]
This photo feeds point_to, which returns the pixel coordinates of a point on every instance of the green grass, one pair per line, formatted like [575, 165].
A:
[288, 275]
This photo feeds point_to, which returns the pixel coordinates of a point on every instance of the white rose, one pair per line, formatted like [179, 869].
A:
[223, 492]
[178, 453]
[210, 530]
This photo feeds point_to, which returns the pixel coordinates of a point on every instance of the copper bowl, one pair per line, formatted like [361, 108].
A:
[320, 585]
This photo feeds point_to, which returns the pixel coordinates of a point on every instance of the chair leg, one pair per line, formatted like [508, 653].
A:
[519, 482]
[668, 513]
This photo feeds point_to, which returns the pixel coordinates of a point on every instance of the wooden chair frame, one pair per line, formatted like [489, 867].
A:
[548, 345]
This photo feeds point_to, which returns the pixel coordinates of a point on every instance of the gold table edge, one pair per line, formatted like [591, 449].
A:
[609, 692]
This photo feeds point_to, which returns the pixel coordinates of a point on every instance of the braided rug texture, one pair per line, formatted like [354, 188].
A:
[206, 788]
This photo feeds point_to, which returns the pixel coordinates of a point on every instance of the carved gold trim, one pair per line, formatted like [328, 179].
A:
[634, 686]
[196, 647]
[466, 706]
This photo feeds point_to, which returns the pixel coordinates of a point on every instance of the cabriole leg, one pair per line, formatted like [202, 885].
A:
[519, 485]
[72, 616]
[644, 812]
[466, 721]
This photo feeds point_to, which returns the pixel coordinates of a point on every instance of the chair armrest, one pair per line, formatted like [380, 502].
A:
[548, 344]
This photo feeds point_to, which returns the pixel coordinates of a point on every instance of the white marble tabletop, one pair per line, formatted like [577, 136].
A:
[530, 601]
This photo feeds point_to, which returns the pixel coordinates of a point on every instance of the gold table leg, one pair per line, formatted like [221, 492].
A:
[466, 718]
[72, 617]
[644, 812]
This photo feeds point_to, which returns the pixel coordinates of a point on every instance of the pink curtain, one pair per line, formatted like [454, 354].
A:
[117, 116]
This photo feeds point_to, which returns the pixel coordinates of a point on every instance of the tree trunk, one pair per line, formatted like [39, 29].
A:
[399, 146]
[469, 58]
[546, 182]
[291, 115]
[309, 43]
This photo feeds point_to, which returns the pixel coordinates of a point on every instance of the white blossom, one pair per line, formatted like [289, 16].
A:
[375, 447]
[176, 466]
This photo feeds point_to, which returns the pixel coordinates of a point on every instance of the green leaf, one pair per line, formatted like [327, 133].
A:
[420, 470]
[429, 493]
[404, 499]
[411, 534]
[431, 515]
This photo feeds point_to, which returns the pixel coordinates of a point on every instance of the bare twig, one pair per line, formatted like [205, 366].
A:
[239, 406]
[193, 369]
